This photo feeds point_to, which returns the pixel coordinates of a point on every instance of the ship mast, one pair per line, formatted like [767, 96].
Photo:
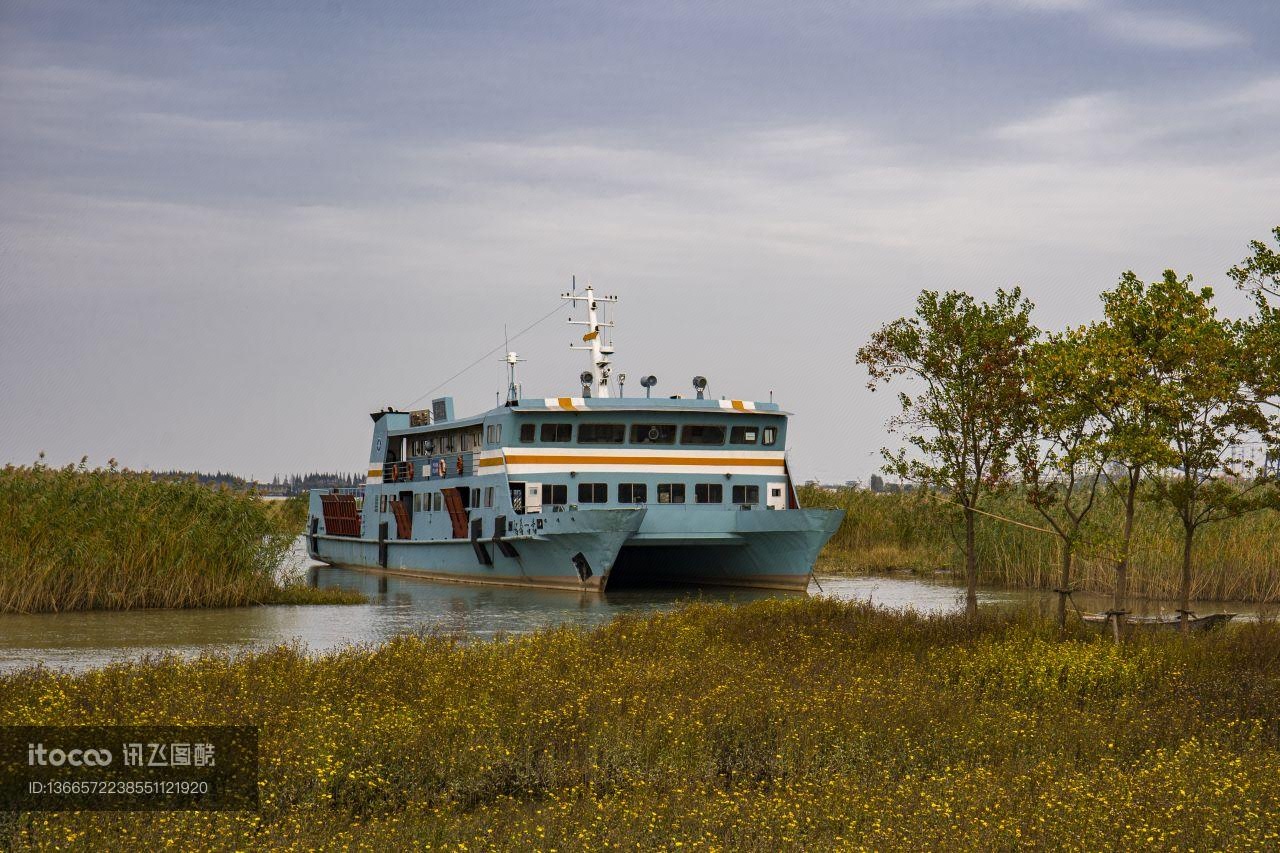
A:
[601, 353]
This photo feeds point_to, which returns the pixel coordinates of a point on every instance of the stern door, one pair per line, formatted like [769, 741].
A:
[777, 497]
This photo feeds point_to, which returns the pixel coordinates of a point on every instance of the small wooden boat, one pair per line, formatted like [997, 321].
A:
[1167, 623]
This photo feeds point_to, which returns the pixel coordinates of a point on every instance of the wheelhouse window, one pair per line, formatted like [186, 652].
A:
[633, 493]
[601, 433]
[557, 432]
[671, 493]
[746, 494]
[702, 434]
[770, 436]
[494, 432]
[653, 434]
[527, 432]
[555, 494]
[744, 435]
[593, 493]
[708, 493]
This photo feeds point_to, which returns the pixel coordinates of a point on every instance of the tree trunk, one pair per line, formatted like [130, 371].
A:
[970, 566]
[1188, 538]
[1122, 567]
[1118, 600]
[1064, 584]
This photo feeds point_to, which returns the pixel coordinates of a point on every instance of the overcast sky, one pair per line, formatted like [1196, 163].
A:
[229, 231]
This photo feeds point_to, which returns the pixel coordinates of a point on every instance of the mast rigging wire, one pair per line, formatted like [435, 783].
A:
[503, 346]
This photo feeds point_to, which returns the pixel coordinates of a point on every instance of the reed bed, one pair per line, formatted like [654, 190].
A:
[782, 724]
[75, 538]
[1236, 560]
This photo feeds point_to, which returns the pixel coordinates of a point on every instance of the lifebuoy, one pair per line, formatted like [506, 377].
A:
[459, 464]
[439, 467]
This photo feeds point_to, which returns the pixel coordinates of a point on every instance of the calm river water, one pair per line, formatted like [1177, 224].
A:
[397, 605]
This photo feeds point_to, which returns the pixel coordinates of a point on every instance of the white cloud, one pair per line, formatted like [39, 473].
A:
[1131, 25]
[1113, 127]
[1163, 30]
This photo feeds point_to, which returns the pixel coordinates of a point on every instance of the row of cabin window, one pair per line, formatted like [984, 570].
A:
[433, 502]
[700, 434]
[453, 442]
[595, 493]
[668, 493]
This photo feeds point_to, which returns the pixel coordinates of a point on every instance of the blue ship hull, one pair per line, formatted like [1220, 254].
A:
[598, 549]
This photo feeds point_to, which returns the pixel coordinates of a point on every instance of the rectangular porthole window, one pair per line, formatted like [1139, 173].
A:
[770, 436]
[653, 434]
[488, 496]
[557, 432]
[417, 503]
[593, 493]
[633, 493]
[746, 494]
[382, 506]
[526, 433]
[601, 433]
[744, 435]
[435, 502]
[671, 493]
[708, 493]
[556, 495]
[475, 498]
[702, 434]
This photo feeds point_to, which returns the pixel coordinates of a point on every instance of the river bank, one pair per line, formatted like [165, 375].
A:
[397, 605]
[780, 723]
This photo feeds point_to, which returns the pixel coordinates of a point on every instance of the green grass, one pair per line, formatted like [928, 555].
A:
[1235, 560]
[300, 593]
[78, 539]
[806, 724]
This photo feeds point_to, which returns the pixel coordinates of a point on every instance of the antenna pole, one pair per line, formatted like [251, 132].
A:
[601, 355]
[513, 387]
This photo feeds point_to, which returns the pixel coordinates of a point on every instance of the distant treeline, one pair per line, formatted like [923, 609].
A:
[290, 484]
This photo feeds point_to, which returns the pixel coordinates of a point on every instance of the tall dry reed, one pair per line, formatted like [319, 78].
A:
[75, 539]
[1234, 560]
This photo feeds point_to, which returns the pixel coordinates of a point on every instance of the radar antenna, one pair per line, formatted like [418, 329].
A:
[513, 387]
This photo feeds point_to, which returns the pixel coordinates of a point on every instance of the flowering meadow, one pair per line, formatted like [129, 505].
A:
[808, 724]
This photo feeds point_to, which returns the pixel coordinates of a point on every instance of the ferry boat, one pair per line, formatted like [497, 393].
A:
[586, 492]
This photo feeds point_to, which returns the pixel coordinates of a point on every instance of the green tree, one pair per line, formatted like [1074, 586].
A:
[967, 358]
[1207, 411]
[1061, 451]
[1259, 276]
[1123, 378]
